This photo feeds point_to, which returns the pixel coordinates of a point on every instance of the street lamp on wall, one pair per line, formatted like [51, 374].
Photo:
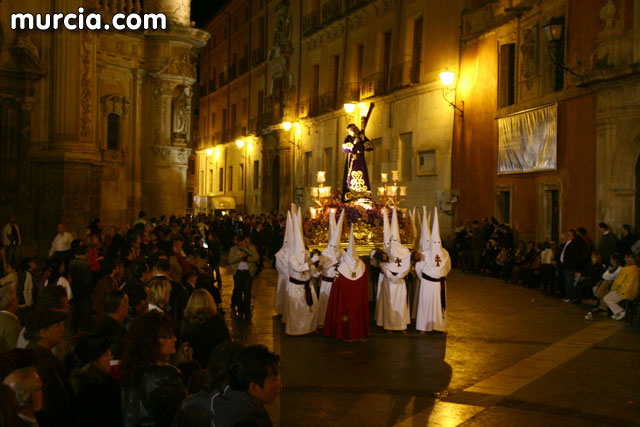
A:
[448, 80]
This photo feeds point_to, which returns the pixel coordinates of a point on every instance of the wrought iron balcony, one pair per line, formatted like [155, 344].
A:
[331, 11]
[374, 85]
[311, 23]
[354, 4]
[405, 74]
[314, 106]
[243, 66]
[258, 55]
[351, 92]
[222, 79]
[328, 102]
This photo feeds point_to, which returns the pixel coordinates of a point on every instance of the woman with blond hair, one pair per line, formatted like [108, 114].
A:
[202, 327]
[159, 294]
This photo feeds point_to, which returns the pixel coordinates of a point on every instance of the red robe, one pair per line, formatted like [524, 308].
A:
[348, 308]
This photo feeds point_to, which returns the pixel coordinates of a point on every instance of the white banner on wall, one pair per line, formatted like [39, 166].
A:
[527, 141]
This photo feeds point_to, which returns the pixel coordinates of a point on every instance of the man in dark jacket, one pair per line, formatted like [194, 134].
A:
[254, 382]
[608, 242]
[82, 287]
[116, 307]
[572, 258]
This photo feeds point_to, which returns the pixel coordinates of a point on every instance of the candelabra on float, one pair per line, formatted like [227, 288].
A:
[391, 195]
[321, 193]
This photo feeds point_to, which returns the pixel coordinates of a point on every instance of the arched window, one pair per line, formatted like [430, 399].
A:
[113, 131]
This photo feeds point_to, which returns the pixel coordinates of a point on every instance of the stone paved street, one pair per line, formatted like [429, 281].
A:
[511, 357]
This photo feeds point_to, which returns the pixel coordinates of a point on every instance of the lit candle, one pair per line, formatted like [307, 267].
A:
[403, 191]
[380, 191]
[321, 177]
[384, 177]
[394, 176]
[393, 190]
[314, 191]
[313, 213]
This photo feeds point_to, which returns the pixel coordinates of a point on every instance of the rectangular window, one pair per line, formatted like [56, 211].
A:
[359, 62]
[190, 200]
[334, 74]
[224, 119]
[426, 164]
[210, 186]
[201, 184]
[386, 56]
[230, 179]
[506, 75]
[221, 180]
[260, 102]
[233, 116]
[191, 167]
[416, 58]
[308, 181]
[113, 130]
[256, 174]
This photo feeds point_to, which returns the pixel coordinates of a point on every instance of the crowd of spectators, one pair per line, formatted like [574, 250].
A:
[123, 327]
[604, 276]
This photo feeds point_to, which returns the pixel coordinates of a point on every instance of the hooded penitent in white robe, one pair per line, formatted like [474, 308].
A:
[432, 270]
[328, 263]
[282, 266]
[392, 310]
[302, 302]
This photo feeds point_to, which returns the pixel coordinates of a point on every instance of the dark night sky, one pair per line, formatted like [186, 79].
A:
[203, 10]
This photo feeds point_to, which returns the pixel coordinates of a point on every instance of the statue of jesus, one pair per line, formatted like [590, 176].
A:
[355, 183]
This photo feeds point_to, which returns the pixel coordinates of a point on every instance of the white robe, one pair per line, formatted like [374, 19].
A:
[392, 310]
[282, 266]
[301, 318]
[328, 266]
[430, 315]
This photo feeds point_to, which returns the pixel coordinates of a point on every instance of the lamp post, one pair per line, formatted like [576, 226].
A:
[448, 80]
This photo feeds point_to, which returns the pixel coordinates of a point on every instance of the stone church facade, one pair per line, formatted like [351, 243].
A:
[95, 124]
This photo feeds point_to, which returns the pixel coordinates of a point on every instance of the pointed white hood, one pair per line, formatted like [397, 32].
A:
[396, 250]
[332, 223]
[333, 247]
[438, 263]
[351, 266]
[297, 249]
[425, 234]
[282, 256]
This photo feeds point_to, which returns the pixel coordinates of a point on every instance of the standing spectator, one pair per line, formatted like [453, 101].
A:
[95, 394]
[153, 388]
[25, 289]
[138, 303]
[627, 240]
[202, 327]
[9, 323]
[61, 246]
[572, 258]
[214, 251]
[140, 220]
[82, 286]
[242, 260]
[27, 387]
[608, 242]
[116, 307]
[625, 287]
[477, 245]
[11, 239]
[44, 330]
[254, 382]
[56, 277]
[582, 233]
[114, 270]
[159, 295]
[94, 256]
[547, 269]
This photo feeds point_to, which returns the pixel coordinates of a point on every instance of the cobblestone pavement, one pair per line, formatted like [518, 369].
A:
[511, 357]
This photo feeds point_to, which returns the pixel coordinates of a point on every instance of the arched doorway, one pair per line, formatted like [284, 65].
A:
[275, 183]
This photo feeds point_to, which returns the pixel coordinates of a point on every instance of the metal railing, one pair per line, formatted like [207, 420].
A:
[222, 79]
[354, 4]
[311, 22]
[374, 85]
[331, 11]
[243, 66]
[328, 102]
[351, 92]
[405, 74]
[258, 55]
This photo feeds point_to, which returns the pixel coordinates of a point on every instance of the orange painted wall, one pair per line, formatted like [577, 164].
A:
[475, 151]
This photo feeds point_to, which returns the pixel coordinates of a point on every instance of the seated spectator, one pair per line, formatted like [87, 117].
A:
[153, 388]
[202, 327]
[9, 323]
[44, 330]
[625, 287]
[27, 387]
[589, 278]
[254, 381]
[95, 394]
[116, 306]
[616, 262]
[159, 295]
[11, 275]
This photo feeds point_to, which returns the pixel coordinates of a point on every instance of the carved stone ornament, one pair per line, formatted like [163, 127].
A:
[182, 66]
[177, 11]
[86, 85]
[170, 156]
[115, 104]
